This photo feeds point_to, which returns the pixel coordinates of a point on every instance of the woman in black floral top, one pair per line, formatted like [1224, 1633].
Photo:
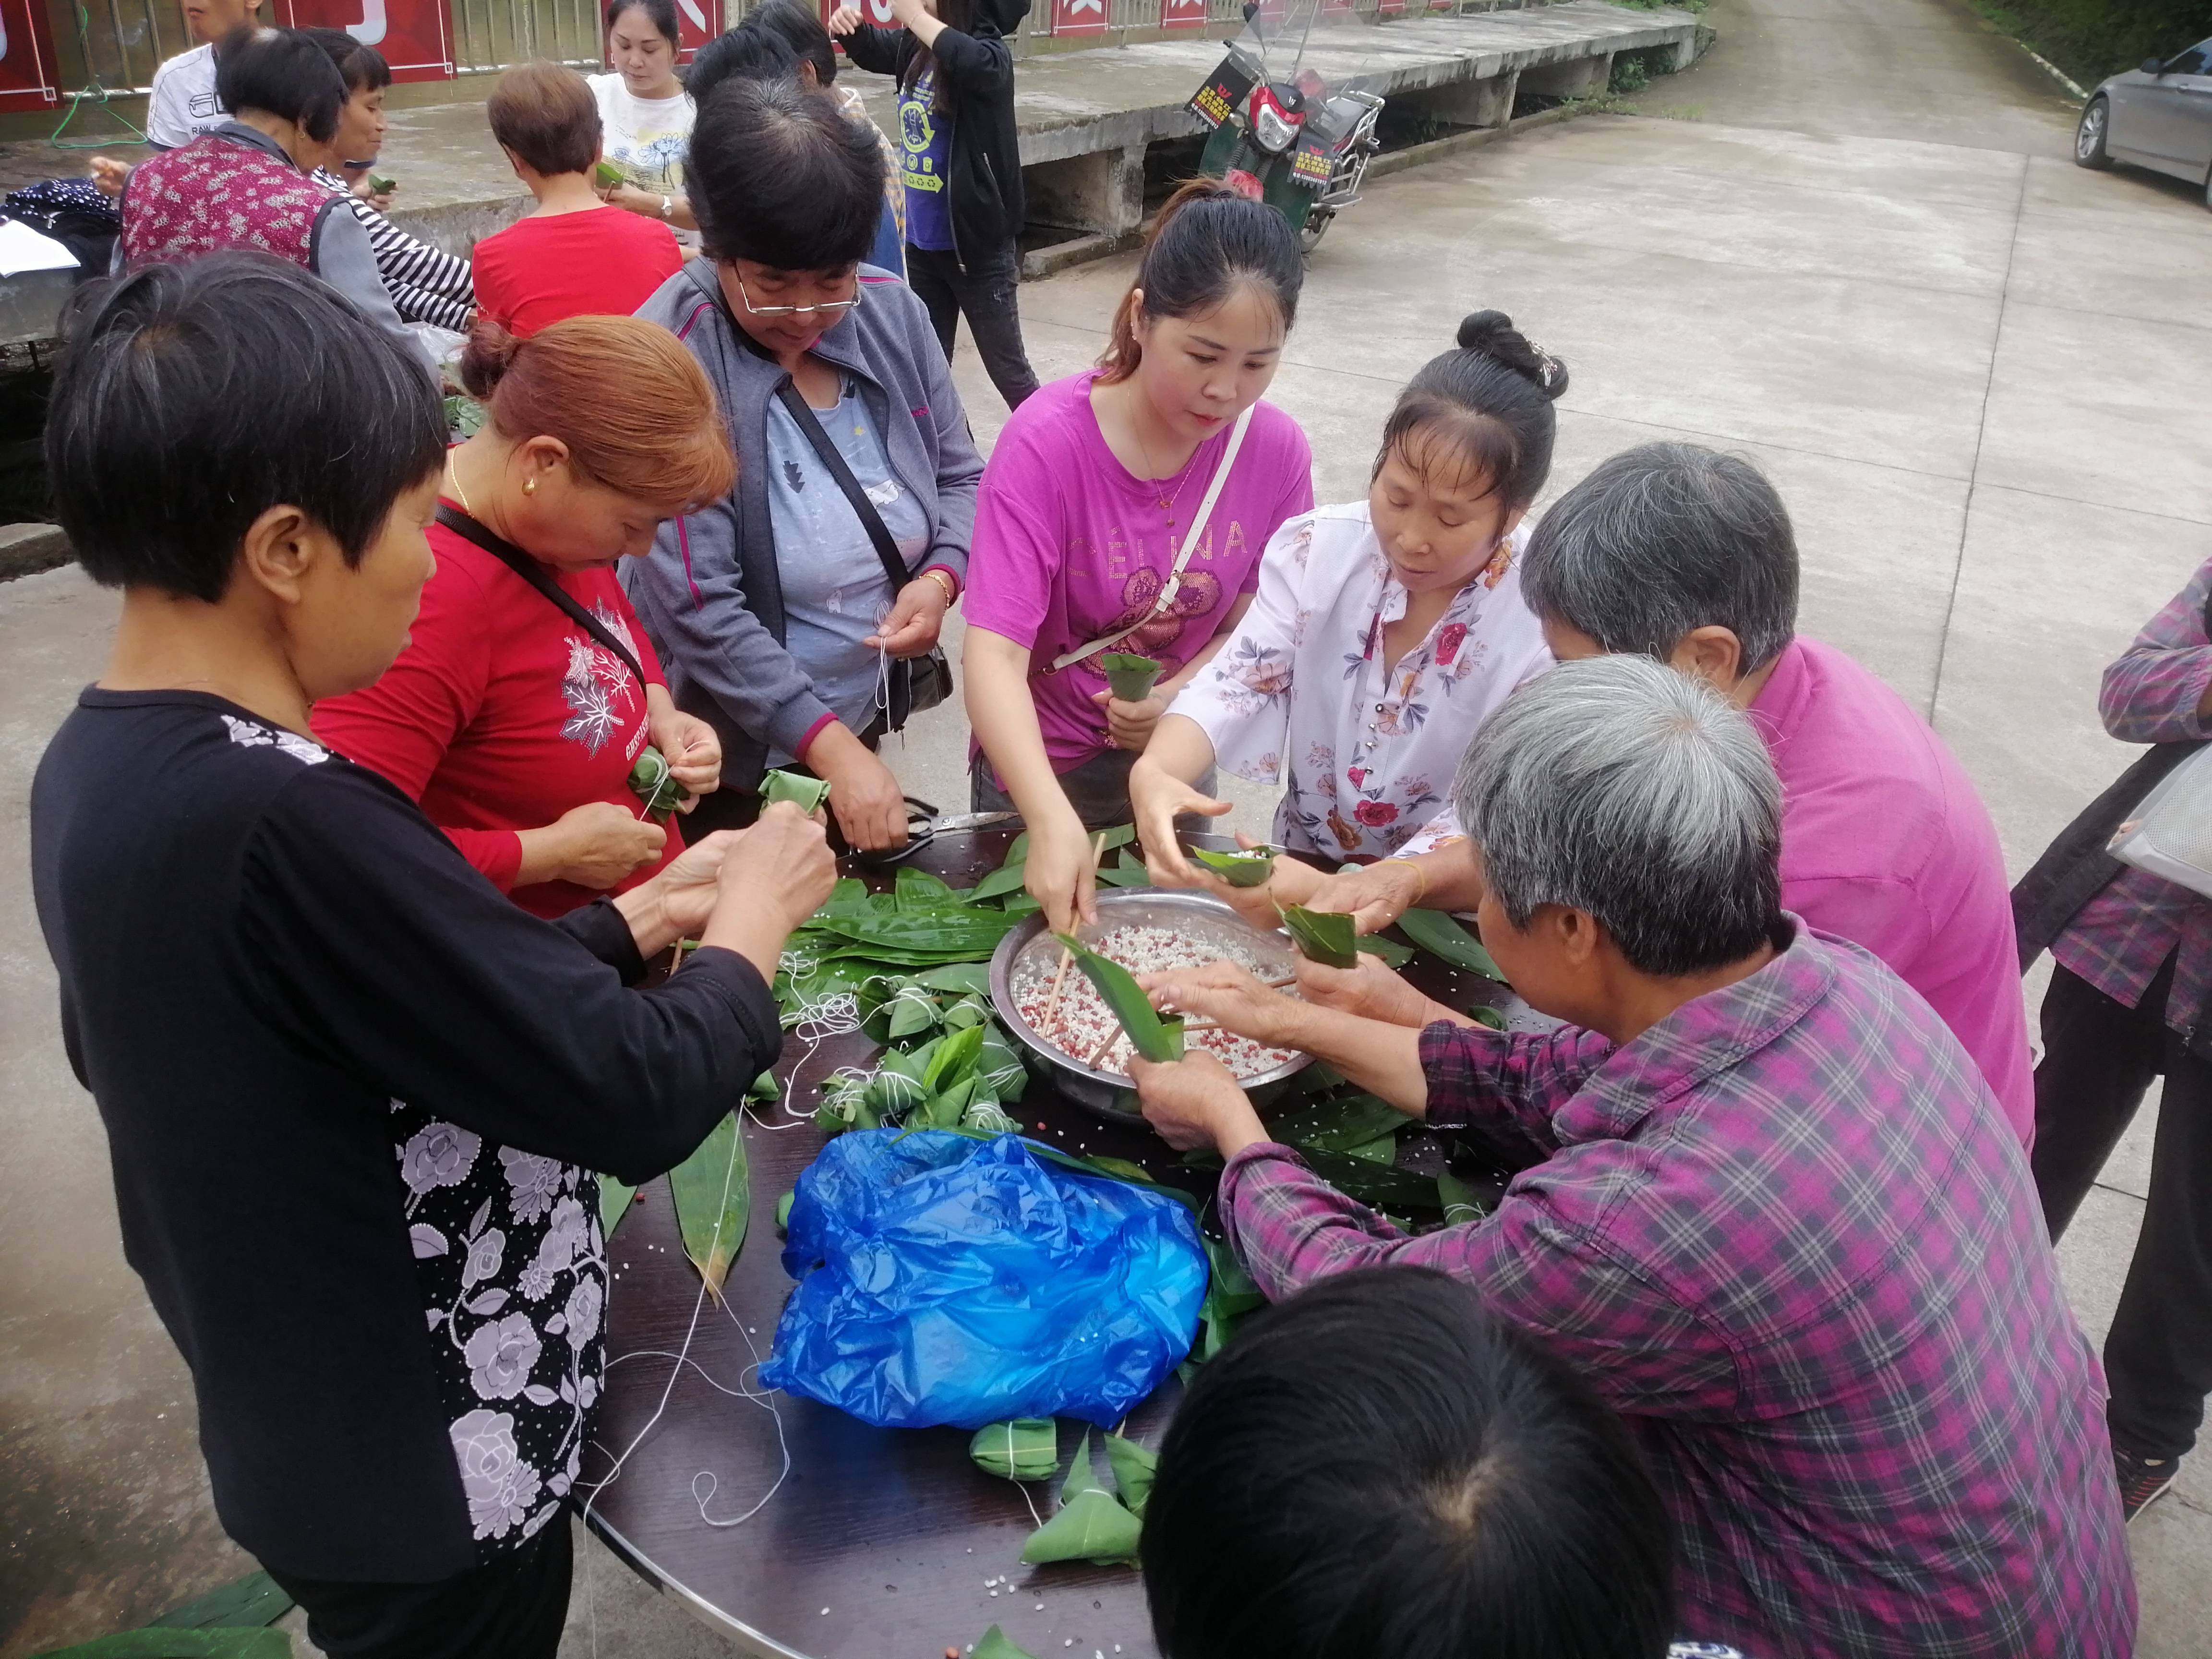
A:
[353, 1095]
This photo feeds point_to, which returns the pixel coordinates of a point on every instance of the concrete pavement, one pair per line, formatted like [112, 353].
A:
[1859, 254]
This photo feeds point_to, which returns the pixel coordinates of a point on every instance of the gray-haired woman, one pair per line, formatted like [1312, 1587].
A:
[1777, 1220]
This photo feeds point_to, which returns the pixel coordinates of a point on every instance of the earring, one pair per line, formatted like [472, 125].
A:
[530, 486]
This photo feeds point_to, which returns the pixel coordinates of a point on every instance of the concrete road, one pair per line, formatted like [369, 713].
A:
[1849, 244]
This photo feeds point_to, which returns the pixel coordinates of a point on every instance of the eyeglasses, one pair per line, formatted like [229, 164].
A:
[832, 309]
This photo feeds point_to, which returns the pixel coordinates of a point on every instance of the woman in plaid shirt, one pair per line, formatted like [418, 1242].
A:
[2129, 1001]
[1780, 1222]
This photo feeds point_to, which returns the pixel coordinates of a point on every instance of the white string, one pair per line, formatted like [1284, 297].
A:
[683, 1358]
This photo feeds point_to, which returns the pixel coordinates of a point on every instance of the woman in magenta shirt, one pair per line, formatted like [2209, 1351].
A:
[1097, 485]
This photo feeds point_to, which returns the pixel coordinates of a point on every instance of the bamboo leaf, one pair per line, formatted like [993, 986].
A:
[1133, 1467]
[1130, 676]
[1121, 1169]
[963, 933]
[1383, 1149]
[161, 1642]
[849, 895]
[783, 1212]
[1335, 1126]
[1441, 935]
[917, 890]
[1124, 876]
[1392, 954]
[1322, 936]
[1087, 1166]
[971, 980]
[995, 1645]
[955, 1060]
[1483, 1015]
[1155, 1038]
[1007, 878]
[1091, 1524]
[1246, 869]
[806, 793]
[614, 1203]
[1025, 1448]
[254, 1600]
[712, 1192]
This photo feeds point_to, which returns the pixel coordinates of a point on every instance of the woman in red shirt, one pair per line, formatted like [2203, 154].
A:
[510, 718]
[573, 255]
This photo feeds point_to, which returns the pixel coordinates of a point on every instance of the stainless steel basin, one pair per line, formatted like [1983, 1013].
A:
[1199, 917]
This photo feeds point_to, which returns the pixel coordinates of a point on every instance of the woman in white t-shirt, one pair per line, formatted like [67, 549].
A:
[645, 114]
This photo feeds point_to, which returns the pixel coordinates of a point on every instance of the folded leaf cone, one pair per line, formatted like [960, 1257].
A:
[1133, 1467]
[654, 784]
[1250, 868]
[1324, 936]
[996, 1644]
[713, 1193]
[1024, 1448]
[1091, 1524]
[1130, 676]
[807, 794]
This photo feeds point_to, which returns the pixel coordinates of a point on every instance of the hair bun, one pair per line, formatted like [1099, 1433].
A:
[1493, 334]
[486, 359]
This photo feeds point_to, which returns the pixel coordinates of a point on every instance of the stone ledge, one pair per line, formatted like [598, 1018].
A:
[28, 549]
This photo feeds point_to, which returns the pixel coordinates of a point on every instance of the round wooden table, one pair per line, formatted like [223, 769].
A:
[878, 1543]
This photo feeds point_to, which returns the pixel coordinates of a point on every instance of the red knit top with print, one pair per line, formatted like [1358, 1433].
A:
[501, 713]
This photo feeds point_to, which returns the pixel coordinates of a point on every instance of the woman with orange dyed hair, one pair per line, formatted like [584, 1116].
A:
[528, 693]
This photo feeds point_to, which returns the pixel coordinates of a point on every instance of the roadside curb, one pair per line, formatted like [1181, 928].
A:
[28, 549]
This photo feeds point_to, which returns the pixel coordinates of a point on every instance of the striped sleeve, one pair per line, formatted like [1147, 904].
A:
[427, 285]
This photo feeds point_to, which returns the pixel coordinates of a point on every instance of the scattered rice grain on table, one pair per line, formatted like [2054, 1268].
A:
[1083, 1021]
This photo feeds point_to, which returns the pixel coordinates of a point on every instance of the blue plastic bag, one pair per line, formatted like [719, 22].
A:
[943, 1280]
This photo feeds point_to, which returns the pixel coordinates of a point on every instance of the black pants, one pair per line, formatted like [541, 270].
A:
[2099, 1060]
[984, 293]
[512, 1609]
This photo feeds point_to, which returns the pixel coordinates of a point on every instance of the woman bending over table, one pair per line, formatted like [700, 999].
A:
[1410, 601]
[1776, 1216]
[777, 609]
[281, 983]
[1124, 510]
[527, 692]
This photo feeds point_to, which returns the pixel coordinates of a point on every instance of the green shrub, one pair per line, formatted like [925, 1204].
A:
[2092, 38]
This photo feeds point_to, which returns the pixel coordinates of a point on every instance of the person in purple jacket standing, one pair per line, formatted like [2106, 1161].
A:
[2129, 1001]
[1777, 1220]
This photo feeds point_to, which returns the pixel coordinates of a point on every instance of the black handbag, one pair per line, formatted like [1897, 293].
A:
[916, 682]
[2076, 866]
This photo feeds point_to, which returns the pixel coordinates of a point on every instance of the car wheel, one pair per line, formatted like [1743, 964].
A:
[2089, 137]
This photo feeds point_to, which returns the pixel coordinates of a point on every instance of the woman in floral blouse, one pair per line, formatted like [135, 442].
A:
[1409, 601]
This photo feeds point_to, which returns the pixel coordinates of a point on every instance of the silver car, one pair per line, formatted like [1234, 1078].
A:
[2159, 117]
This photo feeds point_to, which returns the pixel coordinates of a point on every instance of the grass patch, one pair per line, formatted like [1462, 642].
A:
[2091, 38]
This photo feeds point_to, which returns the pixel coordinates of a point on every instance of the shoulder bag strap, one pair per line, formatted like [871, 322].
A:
[1174, 583]
[827, 452]
[535, 574]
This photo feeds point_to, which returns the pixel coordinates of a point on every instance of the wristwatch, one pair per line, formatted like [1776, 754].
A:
[667, 209]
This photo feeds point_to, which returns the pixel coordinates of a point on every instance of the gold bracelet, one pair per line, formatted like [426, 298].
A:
[1422, 892]
[944, 582]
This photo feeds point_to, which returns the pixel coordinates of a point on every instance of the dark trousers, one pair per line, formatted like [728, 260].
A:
[2099, 1060]
[984, 294]
[511, 1609]
[1098, 790]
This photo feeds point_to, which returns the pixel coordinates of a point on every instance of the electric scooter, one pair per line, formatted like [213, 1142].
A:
[1289, 142]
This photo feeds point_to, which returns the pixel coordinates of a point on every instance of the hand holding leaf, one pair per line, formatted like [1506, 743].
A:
[1323, 936]
[1232, 997]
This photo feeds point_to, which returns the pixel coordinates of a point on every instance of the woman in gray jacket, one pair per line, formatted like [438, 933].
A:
[774, 613]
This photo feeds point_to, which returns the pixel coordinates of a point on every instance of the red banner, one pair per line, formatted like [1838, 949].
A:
[412, 34]
[1182, 14]
[698, 21]
[1078, 17]
[26, 56]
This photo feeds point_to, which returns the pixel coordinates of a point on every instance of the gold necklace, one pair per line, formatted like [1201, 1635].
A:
[455, 473]
[1168, 503]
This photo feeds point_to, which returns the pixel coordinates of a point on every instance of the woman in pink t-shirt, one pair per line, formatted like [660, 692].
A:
[1097, 485]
